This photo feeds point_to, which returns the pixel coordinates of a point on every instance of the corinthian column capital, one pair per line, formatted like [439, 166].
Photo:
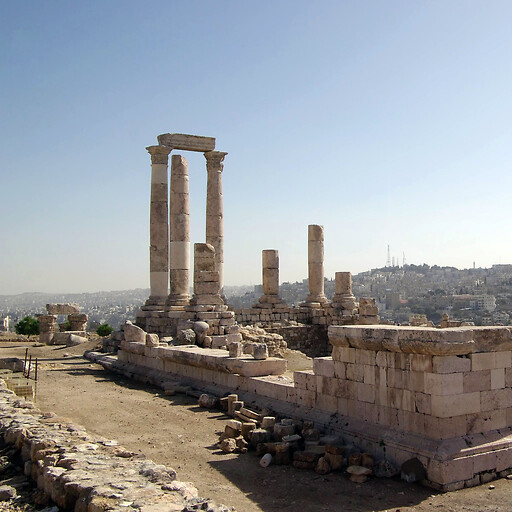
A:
[159, 154]
[214, 160]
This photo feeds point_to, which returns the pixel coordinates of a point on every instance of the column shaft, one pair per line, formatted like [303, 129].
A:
[316, 264]
[158, 226]
[179, 223]
[214, 209]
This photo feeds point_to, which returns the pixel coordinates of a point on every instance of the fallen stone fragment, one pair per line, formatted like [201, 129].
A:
[152, 340]
[208, 401]
[336, 461]
[281, 430]
[266, 460]
[354, 459]
[186, 337]
[367, 460]
[134, 333]
[246, 429]
[74, 340]
[235, 349]
[358, 474]
[231, 398]
[7, 493]
[311, 434]
[283, 456]
[260, 351]
[268, 422]
[241, 444]
[228, 445]
[323, 467]
[384, 469]
[258, 435]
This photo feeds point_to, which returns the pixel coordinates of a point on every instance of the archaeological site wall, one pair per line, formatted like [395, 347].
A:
[441, 395]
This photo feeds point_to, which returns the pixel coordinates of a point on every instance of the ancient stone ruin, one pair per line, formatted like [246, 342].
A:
[438, 400]
[52, 334]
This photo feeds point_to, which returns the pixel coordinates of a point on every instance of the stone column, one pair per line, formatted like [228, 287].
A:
[179, 232]
[214, 210]
[47, 328]
[158, 226]
[206, 277]
[343, 298]
[270, 274]
[316, 265]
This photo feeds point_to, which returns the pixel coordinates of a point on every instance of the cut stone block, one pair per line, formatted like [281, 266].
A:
[187, 142]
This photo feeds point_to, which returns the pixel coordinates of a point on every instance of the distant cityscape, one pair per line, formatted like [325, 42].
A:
[479, 295]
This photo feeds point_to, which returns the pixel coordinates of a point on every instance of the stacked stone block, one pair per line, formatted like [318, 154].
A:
[270, 299]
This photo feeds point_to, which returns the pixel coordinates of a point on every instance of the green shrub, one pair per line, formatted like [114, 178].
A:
[27, 326]
[104, 330]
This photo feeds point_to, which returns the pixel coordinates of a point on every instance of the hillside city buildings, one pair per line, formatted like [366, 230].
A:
[479, 295]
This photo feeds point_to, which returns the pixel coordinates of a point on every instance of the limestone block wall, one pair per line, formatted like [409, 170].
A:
[430, 382]
[441, 395]
[326, 315]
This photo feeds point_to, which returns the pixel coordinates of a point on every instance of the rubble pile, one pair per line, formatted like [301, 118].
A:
[287, 441]
[275, 342]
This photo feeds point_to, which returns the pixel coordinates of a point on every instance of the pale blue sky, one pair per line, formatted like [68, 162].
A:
[388, 122]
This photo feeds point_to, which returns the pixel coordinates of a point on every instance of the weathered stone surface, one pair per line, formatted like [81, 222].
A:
[186, 337]
[133, 333]
[152, 340]
[74, 340]
[323, 466]
[208, 401]
[416, 340]
[260, 351]
[187, 142]
[62, 309]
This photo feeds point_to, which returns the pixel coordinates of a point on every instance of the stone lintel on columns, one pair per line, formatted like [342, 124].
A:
[159, 154]
[187, 142]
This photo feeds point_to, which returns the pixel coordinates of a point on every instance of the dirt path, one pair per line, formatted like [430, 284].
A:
[174, 431]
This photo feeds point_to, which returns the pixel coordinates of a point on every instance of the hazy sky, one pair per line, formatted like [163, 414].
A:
[388, 122]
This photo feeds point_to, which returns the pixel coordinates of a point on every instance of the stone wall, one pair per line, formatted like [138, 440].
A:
[442, 396]
[85, 473]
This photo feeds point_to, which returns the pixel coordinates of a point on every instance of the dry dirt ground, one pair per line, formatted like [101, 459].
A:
[176, 432]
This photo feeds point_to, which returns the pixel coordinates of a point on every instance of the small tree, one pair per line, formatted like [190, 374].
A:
[27, 326]
[104, 330]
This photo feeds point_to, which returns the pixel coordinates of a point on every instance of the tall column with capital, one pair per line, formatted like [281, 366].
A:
[158, 226]
[179, 220]
[316, 265]
[214, 213]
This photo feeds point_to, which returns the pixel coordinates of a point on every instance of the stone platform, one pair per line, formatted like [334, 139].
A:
[443, 396]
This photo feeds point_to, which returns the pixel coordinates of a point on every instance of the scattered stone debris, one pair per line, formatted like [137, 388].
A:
[286, 441]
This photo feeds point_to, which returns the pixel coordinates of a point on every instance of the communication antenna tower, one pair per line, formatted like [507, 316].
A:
[403, 259]
[388, 261]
